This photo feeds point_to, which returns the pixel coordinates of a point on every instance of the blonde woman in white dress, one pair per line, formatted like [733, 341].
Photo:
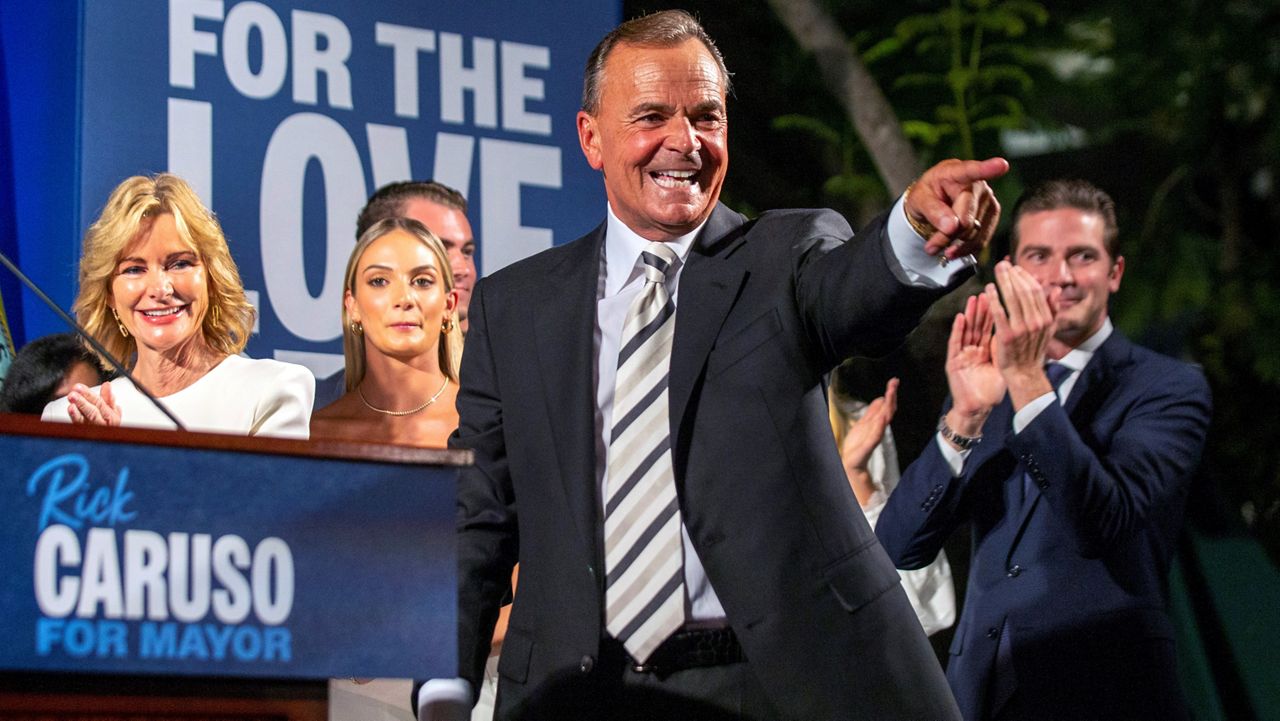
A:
[160, 291]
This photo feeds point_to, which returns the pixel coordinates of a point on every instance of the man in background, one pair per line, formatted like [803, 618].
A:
[1074, 474]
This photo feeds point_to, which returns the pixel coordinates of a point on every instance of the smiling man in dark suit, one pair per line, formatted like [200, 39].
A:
[1074, 476]
[647, 410]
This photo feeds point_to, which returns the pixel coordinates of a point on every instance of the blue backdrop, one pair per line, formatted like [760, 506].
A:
[285, 116]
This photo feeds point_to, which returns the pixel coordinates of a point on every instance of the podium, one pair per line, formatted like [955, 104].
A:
[157, 574]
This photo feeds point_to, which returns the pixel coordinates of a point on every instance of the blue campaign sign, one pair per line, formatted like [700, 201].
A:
[285, 116]
[134, 559]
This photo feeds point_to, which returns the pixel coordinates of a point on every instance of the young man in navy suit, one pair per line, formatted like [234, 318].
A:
[1074, 475]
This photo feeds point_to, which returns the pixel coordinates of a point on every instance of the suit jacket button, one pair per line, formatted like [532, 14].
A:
[1015, 570]
[993, 633]
[586, 664]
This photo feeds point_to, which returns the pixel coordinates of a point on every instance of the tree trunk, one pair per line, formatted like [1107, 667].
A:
[847, 77]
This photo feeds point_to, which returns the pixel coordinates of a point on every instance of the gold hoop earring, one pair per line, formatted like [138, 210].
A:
[447, 325]
[356, 327]
[123, 331]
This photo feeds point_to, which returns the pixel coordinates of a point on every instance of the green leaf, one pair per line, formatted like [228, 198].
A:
[925, 132]
[919, 80]
[883, 49]
[992, 74]
[914, 26]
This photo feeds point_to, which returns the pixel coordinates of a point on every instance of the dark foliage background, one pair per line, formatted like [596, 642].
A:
[1172, 107]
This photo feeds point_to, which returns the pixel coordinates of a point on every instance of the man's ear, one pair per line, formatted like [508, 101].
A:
[1117, 271]
[589, 139]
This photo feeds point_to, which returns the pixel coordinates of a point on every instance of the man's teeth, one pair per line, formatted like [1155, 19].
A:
[162, 313]
[674, 178]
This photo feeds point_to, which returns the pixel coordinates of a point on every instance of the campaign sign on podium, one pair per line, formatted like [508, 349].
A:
[131, 558]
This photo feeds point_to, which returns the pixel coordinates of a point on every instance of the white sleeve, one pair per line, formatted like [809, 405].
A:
[445, 699]
[1032, 410]
[920, 268]
[284, 411]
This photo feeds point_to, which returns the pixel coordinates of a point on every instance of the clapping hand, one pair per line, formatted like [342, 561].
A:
[1023, 328]
[85, 406]
[863, 435]
[974, 380]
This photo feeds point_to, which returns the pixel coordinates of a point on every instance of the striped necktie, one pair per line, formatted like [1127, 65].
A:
[644, 563]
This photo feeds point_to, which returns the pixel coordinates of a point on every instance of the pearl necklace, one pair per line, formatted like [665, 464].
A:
[409, 412]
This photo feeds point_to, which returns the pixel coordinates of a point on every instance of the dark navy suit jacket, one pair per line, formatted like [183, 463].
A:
[766, 308]
[1064, 616]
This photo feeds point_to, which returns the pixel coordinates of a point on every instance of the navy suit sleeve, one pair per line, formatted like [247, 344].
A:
[923, 510]
[1108, 489]
[487, 539]
[849, 294]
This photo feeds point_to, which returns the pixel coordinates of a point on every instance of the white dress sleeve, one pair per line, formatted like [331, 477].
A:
[284, 408]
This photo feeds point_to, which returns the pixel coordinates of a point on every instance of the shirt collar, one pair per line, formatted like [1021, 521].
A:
[1077, 358]
[622, 248]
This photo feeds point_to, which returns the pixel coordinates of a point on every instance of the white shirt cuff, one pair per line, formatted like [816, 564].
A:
[920, 268]
[954, 458]
[444, 699]
[1032, 410]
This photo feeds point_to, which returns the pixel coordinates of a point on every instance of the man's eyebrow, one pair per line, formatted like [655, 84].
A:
[643, 108]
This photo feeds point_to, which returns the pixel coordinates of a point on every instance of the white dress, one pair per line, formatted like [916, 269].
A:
[240, 396]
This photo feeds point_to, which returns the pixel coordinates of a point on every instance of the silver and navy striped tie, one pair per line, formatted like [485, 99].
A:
[644, 563]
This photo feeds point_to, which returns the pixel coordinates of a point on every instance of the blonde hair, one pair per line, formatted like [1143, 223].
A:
[139, 200]
[450, 346]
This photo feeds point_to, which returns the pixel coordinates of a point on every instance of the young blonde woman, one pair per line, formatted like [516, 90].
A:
[400, 338]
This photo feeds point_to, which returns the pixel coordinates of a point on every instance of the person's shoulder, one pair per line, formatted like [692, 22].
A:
[1163, 372]
[822, 220]
[544, 260]
[817, 217]
[268, 370]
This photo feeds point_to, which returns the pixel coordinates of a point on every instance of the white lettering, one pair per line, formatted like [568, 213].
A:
[453, 160]
[232, 602]
[100, 576]
[56, 547]
[504, 168]
[518, 87]
[388, 153]
[299, 139]
[189, 576]
[244, 18]
[185, 42]
[481, 79]
[309, 60]
[191, 145]
[405, 43]
[146, 557]
[272, 554]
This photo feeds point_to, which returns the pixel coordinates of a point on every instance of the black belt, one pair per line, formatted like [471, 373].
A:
[694, 648]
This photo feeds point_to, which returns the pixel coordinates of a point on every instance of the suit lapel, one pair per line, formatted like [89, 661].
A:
[708, 285]
[564, 329]
[1092, 388]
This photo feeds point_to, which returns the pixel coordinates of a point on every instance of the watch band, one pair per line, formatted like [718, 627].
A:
[964, 443]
